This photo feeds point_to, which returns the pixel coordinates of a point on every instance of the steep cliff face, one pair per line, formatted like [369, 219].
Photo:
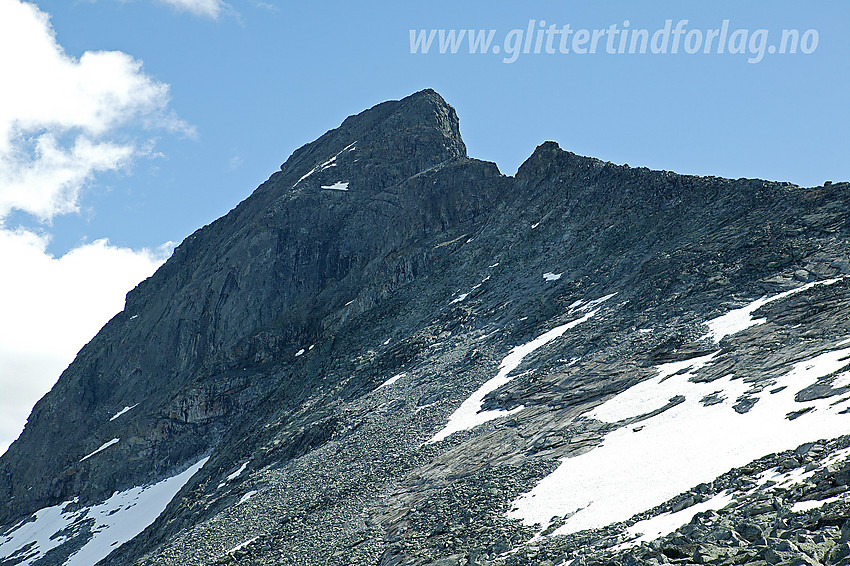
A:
[393, 354]
[197, 342]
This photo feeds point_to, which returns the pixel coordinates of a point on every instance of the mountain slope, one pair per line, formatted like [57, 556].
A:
[393, 354]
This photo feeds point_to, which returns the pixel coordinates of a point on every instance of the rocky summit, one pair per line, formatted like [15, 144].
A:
[391, 354]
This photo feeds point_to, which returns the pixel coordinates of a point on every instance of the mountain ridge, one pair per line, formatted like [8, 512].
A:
[382, 251]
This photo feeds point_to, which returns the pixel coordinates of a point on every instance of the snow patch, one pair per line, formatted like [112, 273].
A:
[582, 305]
[803, 506]
[786, 480]
[247, 496]
[338, 186]
[237, 473]
[709, 441]
[122, 411]
[241, 545]
[549, 276]
[740, 319]
[391, 380]
[459, 298]
[469, 414]
[595, 302]
[103, 447]
[841, 380]
[115, 521]
[665, 523]
[329, 163]
[234, 475]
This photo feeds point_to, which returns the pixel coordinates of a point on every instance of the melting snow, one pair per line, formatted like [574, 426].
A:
[38, 533]
[459, 298]
[791, 477]
[392, 380]
[740, 319]
[781, 480]
[338, 186]
[122, 411]
[115, 521]
[549, 276]
[665, 523]
[469, 414]
[103, 447]
[708, 441]
[242, 545]
[247, 496]
[803, 506]
[580, 305]
[591, 304]
[234, 475]
[237, 473]
[329, 163]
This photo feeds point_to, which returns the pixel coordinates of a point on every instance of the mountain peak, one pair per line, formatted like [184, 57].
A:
[413, 134]
[549, 154]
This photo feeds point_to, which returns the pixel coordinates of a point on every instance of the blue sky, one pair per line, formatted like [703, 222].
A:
[146, 119]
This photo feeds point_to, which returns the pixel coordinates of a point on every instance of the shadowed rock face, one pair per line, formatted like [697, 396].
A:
[382, 251]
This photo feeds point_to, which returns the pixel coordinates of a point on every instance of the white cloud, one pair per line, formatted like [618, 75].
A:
[209, 8]
[49, 183]
[58, 113]
[63, 120]
[51, 307]
[266, 6]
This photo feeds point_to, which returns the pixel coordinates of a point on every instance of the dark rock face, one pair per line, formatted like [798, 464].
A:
[317, 336]
[198, 340]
